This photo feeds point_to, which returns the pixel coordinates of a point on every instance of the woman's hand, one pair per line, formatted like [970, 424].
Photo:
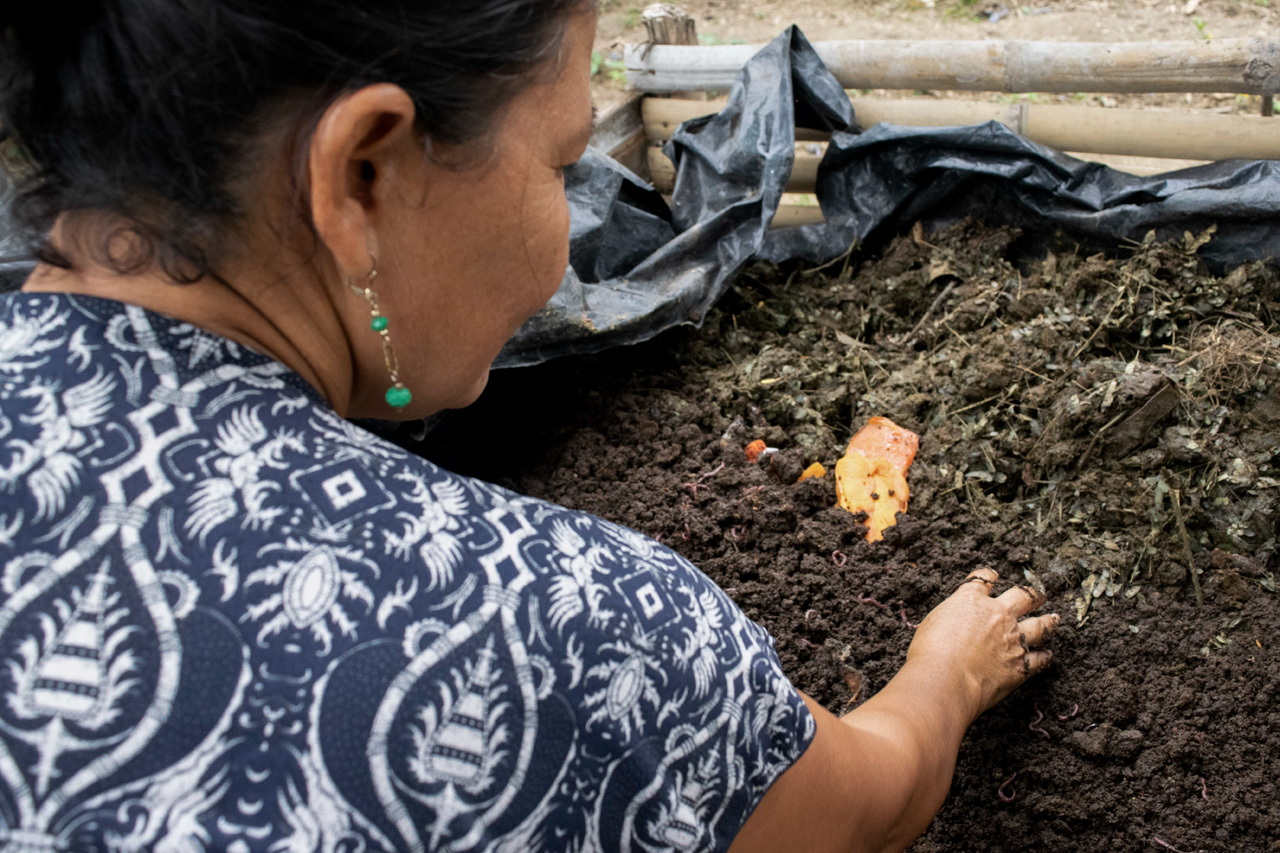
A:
[985, 638]
[874, 778]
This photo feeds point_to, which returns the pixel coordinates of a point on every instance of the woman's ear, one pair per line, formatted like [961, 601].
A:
[354, 153]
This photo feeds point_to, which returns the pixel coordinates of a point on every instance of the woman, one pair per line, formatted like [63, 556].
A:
[231, 620]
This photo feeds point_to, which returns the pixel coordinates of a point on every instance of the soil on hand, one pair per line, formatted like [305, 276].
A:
[1106, 428]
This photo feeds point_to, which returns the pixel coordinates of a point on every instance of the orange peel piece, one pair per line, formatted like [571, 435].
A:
[813, 472]
[872, 475]
[754, 449]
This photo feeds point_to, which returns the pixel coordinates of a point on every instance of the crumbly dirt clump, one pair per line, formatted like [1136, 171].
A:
[1108, 428]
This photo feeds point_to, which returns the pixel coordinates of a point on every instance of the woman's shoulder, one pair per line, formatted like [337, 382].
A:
[275, 593]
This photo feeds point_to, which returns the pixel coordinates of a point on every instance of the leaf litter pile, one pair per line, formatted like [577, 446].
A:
[1107, 428]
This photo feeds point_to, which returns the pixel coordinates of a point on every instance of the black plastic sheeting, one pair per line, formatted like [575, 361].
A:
[731, 170]
[638, 267]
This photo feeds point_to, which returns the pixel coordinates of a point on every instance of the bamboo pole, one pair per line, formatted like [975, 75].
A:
[804, 174]
[1136, 133]
[1245, 66]
[803, 178]
[789, 214]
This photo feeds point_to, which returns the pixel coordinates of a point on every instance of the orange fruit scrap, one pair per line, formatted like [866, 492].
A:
[814, 471]
[872, 475]
[754, 449]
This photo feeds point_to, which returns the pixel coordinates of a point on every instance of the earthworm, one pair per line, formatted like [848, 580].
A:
[1035, 724]
[809, 644]
[1168, 846]
[839, 558]
[863, 599]
[687, 532]
[1075, 709]
[1204, 789]
[903, 614]
[697, 484]
[735, 532]
[811, 614]
[1012, 795]
[749, 492]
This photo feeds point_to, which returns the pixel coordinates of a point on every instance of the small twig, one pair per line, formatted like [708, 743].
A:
[1101, 326]
[1035, 724]
[1075, 709]
[1012, 795]
[839, 558]
[1088, 451]
[975, 405]
[1186, 546]
[911, 336]
[1166, 845]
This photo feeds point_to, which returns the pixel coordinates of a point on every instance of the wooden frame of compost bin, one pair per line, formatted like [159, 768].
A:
[1141, 142]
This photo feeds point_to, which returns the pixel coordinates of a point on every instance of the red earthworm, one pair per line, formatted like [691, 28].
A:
[863, 599]
[697, 484]
[1075, 709]
[749, 492]
[809, 644]
[903, 614]
[810, 614]
[1168, 846]
[1035, 724]
[1204, 789]
[687, 532]
[1010, 797]
[839, 558]
[735, 532]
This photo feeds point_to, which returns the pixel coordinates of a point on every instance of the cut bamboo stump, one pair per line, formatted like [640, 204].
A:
[669, 25]
[1243, 66]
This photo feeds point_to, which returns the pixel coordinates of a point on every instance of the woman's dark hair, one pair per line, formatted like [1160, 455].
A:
[148, 109]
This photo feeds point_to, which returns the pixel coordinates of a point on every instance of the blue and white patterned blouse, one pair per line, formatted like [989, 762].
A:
[231, 620]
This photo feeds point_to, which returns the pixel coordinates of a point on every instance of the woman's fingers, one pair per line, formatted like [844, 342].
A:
[1036, 661]
[980, 581]
[1021, 600]
[1033, 631]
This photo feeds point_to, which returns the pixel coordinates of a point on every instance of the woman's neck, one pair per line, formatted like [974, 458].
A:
[287, 315]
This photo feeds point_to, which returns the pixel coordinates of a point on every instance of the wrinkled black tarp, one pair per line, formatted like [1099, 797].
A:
[638, 268]
[731, 169]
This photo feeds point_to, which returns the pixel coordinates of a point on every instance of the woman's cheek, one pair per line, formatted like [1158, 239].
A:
[547, 240]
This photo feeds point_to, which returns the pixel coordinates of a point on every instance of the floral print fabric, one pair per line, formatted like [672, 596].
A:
[231, 620]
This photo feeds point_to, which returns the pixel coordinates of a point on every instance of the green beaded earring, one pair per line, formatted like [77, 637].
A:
[397, 395]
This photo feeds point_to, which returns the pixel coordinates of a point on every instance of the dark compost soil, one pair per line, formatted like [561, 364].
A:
[1091, 424]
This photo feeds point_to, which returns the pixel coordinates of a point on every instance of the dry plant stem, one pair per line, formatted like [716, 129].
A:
[1186, 546]
[911, 338]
